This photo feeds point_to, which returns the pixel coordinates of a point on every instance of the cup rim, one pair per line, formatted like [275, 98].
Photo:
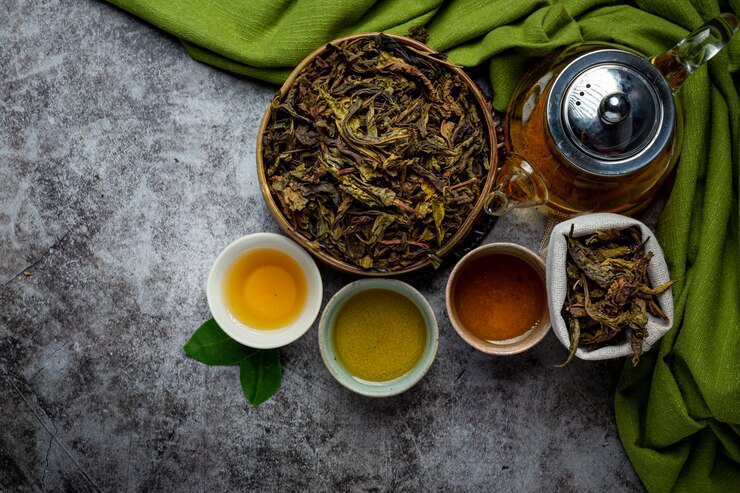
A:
[516, 345]
[399, 384]
[241, 332]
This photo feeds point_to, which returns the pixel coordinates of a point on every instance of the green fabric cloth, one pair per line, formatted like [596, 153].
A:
[678, 413]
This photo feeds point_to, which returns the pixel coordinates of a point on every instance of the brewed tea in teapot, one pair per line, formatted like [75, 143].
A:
[596, 127]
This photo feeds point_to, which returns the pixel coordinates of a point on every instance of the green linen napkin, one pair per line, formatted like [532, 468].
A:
[678, 413]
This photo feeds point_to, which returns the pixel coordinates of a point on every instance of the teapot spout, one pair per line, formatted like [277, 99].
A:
[696, 49]
[518, 184]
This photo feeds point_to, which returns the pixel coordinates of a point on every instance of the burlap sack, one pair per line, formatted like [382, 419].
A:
[557, 282]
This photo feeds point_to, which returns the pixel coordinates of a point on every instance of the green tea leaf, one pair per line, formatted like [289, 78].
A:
[260, 374]
[211, 345]
[438, 213]
[336, 107]
[379, 227]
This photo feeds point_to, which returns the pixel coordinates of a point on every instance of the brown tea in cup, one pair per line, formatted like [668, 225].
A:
[499, 297]
[497, 300]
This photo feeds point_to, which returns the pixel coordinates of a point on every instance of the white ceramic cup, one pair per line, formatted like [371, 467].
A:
[250, 336]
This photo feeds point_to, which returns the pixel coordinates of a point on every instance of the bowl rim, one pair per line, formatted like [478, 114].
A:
[464, 229]
[518, 345]
[263, 338]
[391, 387]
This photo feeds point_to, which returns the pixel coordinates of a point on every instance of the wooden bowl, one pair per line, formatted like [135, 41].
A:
[341, 265]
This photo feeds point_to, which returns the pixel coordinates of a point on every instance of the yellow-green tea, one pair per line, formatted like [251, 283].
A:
[379, 335]
[265, 289]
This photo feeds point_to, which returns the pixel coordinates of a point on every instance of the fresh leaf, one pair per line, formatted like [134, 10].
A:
[259, 369]
[211, 345]
[260, 374]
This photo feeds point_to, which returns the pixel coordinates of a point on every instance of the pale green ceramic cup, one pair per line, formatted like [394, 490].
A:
[390, 387]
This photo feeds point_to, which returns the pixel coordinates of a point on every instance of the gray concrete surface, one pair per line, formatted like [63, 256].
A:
[125, 167]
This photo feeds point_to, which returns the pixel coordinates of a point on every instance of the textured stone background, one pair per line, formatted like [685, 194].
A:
[125, 167]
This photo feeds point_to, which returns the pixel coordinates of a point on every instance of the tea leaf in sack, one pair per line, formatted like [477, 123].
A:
[609, 295]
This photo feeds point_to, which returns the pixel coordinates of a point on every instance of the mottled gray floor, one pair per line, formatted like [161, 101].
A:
[125, 167]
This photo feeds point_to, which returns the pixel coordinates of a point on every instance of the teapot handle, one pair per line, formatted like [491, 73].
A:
[696, 49]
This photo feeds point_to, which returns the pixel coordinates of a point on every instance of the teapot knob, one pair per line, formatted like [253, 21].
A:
[614, 108]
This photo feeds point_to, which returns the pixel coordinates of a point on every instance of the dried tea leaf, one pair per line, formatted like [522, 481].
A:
[644, 289]
[292, 199]
[575, 334]
[601, 274]
[604, 236]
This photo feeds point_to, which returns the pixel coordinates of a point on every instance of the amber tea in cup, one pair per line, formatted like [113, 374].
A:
[497, 299]
[265, 289]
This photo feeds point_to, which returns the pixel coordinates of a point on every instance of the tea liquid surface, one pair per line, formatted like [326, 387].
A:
[499, 297]
[379, 335]
[265, 289]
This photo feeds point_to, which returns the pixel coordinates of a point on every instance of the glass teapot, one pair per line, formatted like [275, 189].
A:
[595, 127]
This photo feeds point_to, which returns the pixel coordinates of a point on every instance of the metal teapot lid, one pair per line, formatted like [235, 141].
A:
[610, 112]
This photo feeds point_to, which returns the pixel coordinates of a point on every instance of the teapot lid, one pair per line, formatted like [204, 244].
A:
[610, 112]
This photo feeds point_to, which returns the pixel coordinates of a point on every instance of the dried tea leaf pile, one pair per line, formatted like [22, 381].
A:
[377, 153]
[609, 293]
